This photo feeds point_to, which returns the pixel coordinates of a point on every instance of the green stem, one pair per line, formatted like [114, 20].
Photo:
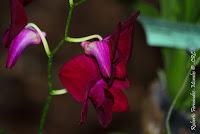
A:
[50, 61]
[42, 36]
[77, 40]
[177, 97]
[58, 92]
[44, 113]
[49, 98]
[68, 22]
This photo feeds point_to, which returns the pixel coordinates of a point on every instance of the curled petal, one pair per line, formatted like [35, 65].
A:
[100, 50]
[24, 39]
[18, 21]
[78, 75]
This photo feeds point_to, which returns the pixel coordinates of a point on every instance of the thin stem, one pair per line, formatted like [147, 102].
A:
[177, 97]
[58, 92]
[42, 36]
[60, 44]
[49, 98]
[44, 113]
[50, 61]
[76, 40]
[68, 22]
[174, 102]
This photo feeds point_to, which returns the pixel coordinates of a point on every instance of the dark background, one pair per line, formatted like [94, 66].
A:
[23, 89]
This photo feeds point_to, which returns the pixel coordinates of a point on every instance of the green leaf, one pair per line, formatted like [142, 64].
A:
[187, 100]
[170, 9]
[146, 9]
[191, 10]
[175, 68]
[198, 21]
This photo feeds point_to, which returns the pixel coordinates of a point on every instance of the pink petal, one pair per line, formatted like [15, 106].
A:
[24, 39]
[120, 99]
[97, 93]
[100, 50]
[78, 75]
[104, 112]
[114, 39]
[18, 21]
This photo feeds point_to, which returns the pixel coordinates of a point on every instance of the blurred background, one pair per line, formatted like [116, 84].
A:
[24, 88]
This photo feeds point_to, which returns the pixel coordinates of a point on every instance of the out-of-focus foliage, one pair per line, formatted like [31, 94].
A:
[146, 9]
[176, 61]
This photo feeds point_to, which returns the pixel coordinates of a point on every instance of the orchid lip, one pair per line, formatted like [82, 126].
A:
[25, 38]
[100, 50]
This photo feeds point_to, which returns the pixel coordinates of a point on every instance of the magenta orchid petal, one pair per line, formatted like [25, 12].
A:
[121, 84]
[78, 75]
[100, 50]
[124, 47]
[120, 70]
[114, 39]
[97, 93]
[18, 21]
[24, 39]
[120, 99]
[84, 111]
[100, 75]
[125, 43]
[104, 112]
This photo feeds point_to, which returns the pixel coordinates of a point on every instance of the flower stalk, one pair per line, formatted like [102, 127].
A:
[44, 41]
[58, 92]
[82, 39]
[50, 71]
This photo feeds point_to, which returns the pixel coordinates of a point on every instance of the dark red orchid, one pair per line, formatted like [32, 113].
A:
[18, 20]
[100, 75]
[19, 36]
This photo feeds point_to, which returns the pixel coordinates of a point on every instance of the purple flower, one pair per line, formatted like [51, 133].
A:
[100, 75]
[18, 37]
[25, 38]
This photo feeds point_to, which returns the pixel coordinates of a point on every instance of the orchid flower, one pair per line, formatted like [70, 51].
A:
[100, 75]
[19, 35]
